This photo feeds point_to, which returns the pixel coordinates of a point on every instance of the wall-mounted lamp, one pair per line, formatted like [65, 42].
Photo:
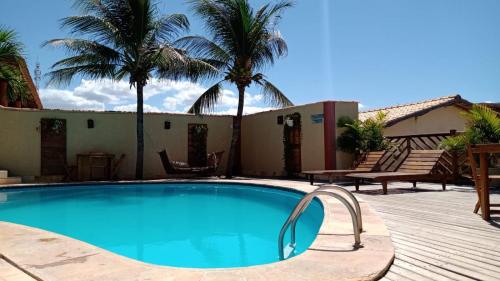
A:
[167, 125]
[90, 123]
[280, 120]
[289, 122]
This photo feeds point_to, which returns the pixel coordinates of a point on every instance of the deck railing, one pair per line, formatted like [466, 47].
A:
[453, 163]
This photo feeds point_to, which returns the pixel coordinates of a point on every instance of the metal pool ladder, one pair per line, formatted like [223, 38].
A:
[336, 192]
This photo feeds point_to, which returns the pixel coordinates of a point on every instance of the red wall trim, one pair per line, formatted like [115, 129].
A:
[329, 126]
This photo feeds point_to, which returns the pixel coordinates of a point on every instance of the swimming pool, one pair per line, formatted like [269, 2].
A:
[197, 225]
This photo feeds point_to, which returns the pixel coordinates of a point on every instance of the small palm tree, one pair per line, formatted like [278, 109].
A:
[360, 137]
[243, 42]
[10, 54]
[10, 47]
[126, 39]
[483, 126]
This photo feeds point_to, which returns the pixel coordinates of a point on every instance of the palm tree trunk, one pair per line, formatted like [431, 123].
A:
[139, 164]
[236, 133]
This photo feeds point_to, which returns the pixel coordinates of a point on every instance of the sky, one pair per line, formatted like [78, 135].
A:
[376, 52]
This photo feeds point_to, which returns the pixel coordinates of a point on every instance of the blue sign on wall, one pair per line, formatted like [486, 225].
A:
[317, 118]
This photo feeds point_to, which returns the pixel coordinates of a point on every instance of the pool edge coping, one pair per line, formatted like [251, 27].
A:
[382, 235]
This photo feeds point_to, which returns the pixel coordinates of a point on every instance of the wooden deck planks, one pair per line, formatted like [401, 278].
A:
[435, 233]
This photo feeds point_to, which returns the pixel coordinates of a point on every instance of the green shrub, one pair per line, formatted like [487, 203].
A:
[483, 126]
[362, 136]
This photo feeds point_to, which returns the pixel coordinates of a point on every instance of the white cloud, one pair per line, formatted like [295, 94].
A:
[133, 108]
[361, 106]
[63, 99]
[187, 93]
[174, 96]
[119, 92]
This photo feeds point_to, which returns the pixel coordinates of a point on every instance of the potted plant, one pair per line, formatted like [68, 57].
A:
[483, 127]
[13, 88]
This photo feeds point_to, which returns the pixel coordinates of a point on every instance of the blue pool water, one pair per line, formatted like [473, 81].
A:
[184, 225]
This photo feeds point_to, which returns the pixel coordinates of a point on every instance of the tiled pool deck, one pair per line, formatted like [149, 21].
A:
[34, 254]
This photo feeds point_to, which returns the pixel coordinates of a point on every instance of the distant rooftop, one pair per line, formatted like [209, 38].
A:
[401, 112]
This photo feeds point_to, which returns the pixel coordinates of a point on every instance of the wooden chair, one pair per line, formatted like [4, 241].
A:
[369, 163]
[116, 166]
[68, 169]
[477, 181]
[420, 165]
[214, 159]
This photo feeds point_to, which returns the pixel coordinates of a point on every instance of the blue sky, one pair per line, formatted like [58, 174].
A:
[377, 52]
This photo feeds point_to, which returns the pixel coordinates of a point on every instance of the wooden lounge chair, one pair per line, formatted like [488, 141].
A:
[370, 163]
[181, 168]
[418, 166]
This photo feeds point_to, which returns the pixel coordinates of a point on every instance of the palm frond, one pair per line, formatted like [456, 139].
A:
[10, 47]
[91, 25]
[63, 76]
[270, 47]
[207, 100]
[202, 47]
[271, 93]
[266, 14]
[170, 27]
[90, 6]
[86, 59]
[141, 21]
[83, 46]
[17, 87]
[219, 23]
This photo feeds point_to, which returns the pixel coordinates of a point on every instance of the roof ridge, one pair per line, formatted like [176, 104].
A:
[410, 104]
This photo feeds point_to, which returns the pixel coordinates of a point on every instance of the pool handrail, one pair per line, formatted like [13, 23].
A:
[304, 203]
[355, 202]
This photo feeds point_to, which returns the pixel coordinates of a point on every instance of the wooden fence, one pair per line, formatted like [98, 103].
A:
[454, 164]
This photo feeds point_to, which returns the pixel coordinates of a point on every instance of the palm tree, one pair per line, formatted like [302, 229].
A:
[483, 127]
[243, 42]
[10, 47]
[125, 39]
[10, 54]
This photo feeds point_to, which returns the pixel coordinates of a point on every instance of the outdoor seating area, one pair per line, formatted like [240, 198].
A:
[182, 168]
[93, 166]
[368, 163]
[419, 165]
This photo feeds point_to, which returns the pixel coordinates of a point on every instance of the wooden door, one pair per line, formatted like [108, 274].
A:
[295, 161]
[53, 146]
[197, 145]
[292, 142]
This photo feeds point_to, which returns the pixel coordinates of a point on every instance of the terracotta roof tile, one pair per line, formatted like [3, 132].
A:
[400, 112]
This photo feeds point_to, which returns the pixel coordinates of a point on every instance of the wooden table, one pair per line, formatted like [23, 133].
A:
[95, 166]
[483, 179]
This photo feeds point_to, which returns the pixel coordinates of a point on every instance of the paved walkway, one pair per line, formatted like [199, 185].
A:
[435, 233]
